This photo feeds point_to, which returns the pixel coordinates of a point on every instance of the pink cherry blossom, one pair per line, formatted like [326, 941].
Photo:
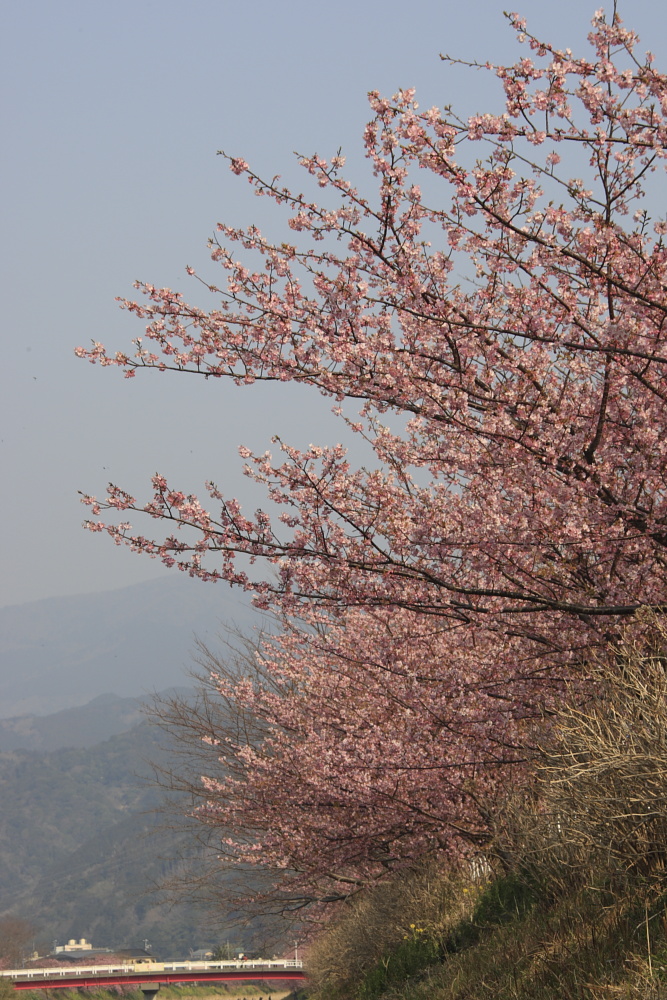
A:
[502, 330]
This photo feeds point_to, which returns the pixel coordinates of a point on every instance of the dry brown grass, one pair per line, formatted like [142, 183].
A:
[564, 952]
[426, 901]
[597, 812]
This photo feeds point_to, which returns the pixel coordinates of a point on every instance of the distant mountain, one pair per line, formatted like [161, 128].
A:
[81, 848]
[103, 717]
[62, 652]
[83, 726]
[80, 844]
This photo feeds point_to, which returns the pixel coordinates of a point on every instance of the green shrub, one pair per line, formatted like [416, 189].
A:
[505, 898]
[416, 952]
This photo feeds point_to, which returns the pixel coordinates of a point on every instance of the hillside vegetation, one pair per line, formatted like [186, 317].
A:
[81, 726]
[83, 846]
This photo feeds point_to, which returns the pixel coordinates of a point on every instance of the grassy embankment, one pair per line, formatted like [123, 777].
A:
[515, 945]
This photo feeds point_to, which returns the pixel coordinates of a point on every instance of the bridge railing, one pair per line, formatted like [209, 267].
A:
[132, 968]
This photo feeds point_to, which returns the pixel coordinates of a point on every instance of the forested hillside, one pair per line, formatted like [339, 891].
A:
[82, 846]
[82, 726]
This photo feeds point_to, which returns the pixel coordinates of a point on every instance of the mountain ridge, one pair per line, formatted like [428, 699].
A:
[61, 652]
[82, 726]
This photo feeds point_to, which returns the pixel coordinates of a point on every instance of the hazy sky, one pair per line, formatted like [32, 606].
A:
[113, 113]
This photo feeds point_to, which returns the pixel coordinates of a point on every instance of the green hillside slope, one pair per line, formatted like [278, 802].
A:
[82, 848]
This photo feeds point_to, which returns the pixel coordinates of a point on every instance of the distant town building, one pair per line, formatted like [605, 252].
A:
[73, 945]
[83, 952]
[135, 955]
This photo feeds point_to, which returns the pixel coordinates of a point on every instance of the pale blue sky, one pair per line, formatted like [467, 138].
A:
[113, 113]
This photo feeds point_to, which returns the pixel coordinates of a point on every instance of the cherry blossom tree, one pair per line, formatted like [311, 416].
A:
[16, 935]
[334, 757]
[502, 334]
